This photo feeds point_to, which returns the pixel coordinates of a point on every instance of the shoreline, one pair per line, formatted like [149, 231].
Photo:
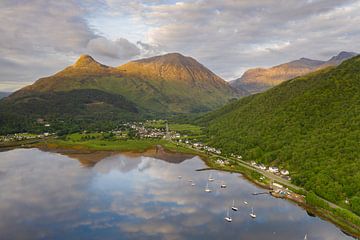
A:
[76, 150]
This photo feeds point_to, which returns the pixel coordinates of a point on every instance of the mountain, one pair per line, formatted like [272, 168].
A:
[175, 83]
[309, 125]
[158, 86]
[171, 83]
[4, 94]
[260, 79]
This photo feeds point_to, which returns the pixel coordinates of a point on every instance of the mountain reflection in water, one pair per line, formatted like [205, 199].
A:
[46, 195]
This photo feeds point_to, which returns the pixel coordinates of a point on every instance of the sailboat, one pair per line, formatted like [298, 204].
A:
[233, 206]
[207, 189]
[252, 214]
[228, 218]
[210, 178]
[223, 185]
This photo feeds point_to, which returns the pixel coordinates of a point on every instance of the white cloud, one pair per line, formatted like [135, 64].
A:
[119, 49]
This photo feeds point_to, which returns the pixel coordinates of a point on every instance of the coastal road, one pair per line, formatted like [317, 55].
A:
[269, 175]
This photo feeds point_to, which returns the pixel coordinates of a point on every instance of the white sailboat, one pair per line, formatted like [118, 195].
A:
[207, 189]
[252, 214]
[210, 178]
[233, 206]
[228, 218]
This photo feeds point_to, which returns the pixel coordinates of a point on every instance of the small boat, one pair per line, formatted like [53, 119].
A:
[245, 202]
[207, 189]
[179, 177]
[228, 218]
[210, 178]
[305, 238]
[193, 184]
[252, 214]
[223, 185]
[233, 206]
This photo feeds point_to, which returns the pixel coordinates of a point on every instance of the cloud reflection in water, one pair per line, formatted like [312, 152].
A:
[47, 195]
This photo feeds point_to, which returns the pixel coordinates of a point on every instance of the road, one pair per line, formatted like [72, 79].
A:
[269, 175]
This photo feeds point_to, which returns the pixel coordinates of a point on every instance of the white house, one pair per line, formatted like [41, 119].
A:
[273, 169]
[277, 185]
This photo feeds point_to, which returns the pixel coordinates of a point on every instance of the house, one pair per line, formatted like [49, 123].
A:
[273, 169]
[197, 145]
[277, 185]
[262, 167]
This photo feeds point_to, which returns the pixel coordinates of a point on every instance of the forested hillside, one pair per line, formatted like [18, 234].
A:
[309, 125]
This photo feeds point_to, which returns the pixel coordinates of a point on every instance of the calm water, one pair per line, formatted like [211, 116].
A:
[52, 196]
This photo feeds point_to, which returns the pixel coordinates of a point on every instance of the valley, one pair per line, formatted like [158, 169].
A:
[92, 107]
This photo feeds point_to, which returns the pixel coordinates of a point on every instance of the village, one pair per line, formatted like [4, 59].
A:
[23, 136]
[159, 129]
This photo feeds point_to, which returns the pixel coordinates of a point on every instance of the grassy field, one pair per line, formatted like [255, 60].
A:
[78, 141]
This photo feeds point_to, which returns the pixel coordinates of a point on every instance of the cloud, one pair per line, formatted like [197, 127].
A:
[230, 36]
[40, 37]
[119, 49]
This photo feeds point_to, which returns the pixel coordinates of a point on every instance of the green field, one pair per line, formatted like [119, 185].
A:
[97, 141]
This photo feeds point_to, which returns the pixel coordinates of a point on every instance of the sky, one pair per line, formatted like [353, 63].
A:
[41, 37]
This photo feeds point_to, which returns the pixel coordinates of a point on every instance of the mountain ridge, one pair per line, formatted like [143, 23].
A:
[160, 86]
[260, 79]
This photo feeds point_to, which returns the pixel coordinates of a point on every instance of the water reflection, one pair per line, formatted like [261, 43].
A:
[50, 196]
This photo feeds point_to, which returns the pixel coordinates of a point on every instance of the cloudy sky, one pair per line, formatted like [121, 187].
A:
[40, 37]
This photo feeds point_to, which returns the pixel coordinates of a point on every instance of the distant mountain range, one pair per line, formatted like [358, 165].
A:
[260, 79]
[309, 125]
[160, 86]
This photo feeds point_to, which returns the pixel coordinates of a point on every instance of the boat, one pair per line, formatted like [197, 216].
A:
[193, 184]
[207, 189]
[223, 185]
[210, 178]
[179, 177]
[252, 214]
[228, 218]
[245, 202]
[305, 238]
[233, 206]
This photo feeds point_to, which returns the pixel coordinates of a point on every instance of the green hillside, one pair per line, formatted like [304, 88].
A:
[158, 87]
[72, 110]
[166, 84]
[309, 125]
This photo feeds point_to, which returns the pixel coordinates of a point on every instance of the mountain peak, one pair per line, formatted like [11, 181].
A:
[343, 55]
[169, 59]
[87, 61]
[176, 69]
